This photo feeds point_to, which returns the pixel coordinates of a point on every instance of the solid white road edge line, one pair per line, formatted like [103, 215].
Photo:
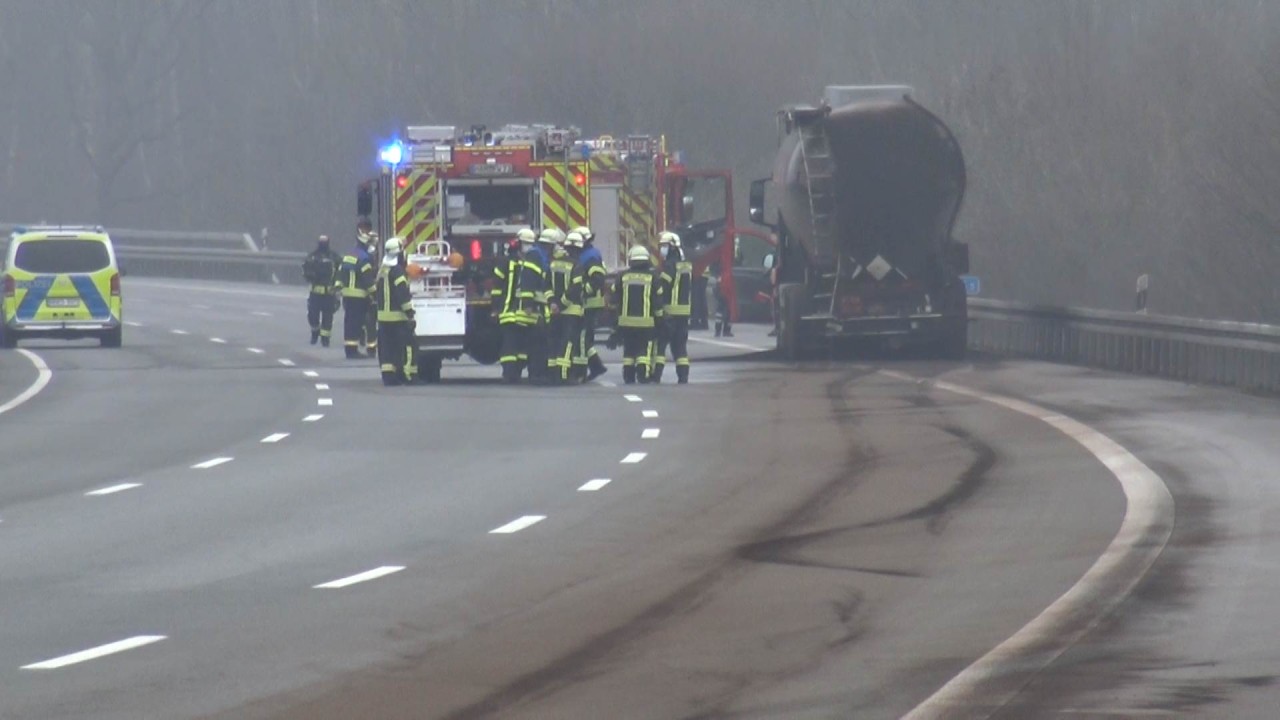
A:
[594, 485]
[518, 524]
[1143, 534]
[113, 489]
[633, 458]
[312, 418]
[650, 433]
[275, 437]
[324, 401]
[650, 413]
[734, 345]
[365, 576]
[95, 653]
[632, 398]
[43, 375]
[211, 463]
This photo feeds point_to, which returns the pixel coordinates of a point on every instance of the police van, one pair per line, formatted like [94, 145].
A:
[60, 282]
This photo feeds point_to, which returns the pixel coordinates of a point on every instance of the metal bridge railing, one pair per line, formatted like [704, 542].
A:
[1242, 355]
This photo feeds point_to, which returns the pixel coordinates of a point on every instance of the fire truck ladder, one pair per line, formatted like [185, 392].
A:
[819, 171]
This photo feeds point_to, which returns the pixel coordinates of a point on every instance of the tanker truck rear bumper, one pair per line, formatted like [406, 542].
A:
[941, 334]
[832, 327]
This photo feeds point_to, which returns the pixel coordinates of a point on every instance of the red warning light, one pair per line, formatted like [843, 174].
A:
[402, 181]
[579, 179]
[476, 250]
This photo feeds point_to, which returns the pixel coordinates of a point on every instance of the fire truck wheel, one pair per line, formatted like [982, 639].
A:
[431, 369]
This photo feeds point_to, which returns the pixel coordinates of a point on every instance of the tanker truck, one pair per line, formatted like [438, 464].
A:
[865, 189]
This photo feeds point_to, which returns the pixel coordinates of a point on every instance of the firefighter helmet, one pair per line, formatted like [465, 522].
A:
[669, 238]
[393, 247]
[575, 239]
[549, 236]
[638, 254]
[585, 232]
[526, 235]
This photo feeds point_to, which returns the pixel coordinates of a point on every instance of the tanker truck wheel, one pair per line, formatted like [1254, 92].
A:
[793, 298]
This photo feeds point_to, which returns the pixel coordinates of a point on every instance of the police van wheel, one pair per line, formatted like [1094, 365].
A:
[112, 338]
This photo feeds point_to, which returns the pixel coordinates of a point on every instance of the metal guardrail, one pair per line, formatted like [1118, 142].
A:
[212, 264]
[1217, 352]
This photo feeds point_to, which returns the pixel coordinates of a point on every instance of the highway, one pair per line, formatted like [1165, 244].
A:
[219, 520]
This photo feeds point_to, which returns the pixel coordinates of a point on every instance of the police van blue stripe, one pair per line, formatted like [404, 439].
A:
[37, 289]
[98, 308]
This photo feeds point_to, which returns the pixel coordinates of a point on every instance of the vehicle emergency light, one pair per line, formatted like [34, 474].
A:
[579, 179]
[476, 250]
[391, 154]
[402, 181]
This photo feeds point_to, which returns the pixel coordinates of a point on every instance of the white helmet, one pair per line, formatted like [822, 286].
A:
[638, 254]
[585, 232]
[550, 236]
[575, 239]
[669, 238]
[526, 236]
[393, 247]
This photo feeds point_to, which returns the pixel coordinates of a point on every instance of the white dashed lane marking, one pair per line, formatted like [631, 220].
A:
[219, 341]
[324, 402]
[275, 437]
[311, 373]
[518, 524]
[322, 386]
[312, 418]
[650, 413]
[95, 653]
[594, 485]
[632, 398]
[113, 489]
[215, 462]
[179, 332]
[260, 313]
[650, 433]
[286, 362]
[255, 351]
[131, 323]
[365, 576]
[633, 458]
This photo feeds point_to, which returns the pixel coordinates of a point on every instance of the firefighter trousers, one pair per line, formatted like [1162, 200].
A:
[320, 315]
[673, 334]
[515, 349]
[570, 363]
[371, 328]
[591, 356]
[637, 351]
[355, 314]
[397, 354]
[539, 349]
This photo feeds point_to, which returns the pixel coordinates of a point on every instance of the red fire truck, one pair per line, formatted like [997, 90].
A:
[473, 189]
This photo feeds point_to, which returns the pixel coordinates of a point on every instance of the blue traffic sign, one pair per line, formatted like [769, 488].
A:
[972, 284]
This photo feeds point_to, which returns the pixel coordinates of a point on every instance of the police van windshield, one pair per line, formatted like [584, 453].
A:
[66, 255]
[490, 205]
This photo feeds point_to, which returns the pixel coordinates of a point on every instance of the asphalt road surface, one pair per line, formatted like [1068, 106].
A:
[219, 520]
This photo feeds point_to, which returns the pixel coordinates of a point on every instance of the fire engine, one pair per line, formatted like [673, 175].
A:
[458, 197]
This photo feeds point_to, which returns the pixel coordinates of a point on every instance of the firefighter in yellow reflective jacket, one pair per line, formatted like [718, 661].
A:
[395, 318]
[515, 323]
[357, 279]
[637, 294]
[594, 291]
[677, 291]
[561, 325]
[572, 359]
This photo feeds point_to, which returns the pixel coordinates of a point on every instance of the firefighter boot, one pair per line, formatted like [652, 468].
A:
[595, 368]
[315, 336]
[629, 374]
[682, 374]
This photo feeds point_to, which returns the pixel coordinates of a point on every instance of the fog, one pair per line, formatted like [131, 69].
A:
[1104, 139]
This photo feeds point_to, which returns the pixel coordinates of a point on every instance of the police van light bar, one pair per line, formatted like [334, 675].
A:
[392, 154]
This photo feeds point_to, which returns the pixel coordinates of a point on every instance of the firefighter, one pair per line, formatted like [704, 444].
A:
[637, 296]
[357, 281]
[573, 360]
[673, 329]
[535, 294]
[594, 293]
[321, 270]
[560, 324]
[395, 318]
[513, 322]
[371, 321]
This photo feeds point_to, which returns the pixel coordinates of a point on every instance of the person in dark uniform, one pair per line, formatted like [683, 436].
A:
[321, 271]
